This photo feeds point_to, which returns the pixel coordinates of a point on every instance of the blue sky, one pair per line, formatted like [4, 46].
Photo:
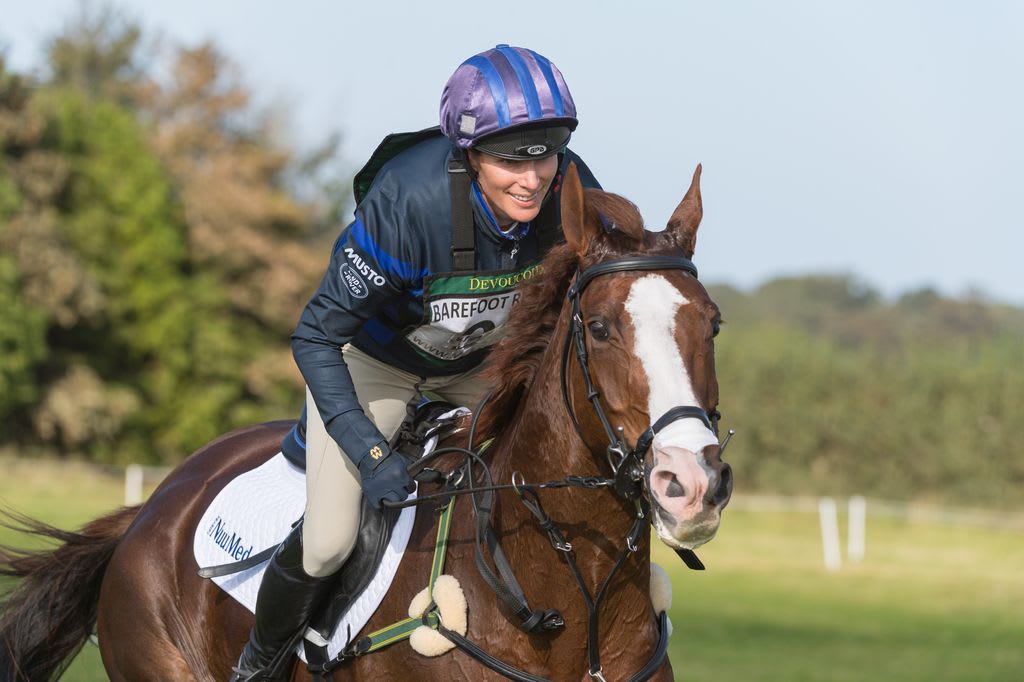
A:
[882, 139]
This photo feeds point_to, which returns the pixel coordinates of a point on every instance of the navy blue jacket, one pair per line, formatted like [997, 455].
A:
[389, 290]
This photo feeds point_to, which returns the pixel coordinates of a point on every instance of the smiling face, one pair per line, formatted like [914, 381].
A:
[514, 190]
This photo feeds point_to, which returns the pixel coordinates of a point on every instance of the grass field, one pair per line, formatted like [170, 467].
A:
[929, 602]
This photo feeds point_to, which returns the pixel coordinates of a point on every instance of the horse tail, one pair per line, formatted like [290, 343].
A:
[47, 617]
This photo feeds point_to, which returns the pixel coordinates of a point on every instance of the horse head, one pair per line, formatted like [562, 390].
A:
[647, 328]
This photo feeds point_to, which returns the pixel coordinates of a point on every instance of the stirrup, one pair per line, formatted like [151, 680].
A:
[247, 670]
[239, 675]
[250, 669]
[276, 670]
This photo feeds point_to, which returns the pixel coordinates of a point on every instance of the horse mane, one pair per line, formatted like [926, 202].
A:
[513, 363]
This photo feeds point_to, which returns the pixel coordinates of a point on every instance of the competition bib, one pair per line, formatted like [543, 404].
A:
[466, 313]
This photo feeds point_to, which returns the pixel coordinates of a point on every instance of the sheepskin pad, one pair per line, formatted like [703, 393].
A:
[453, 610]
[661, 591]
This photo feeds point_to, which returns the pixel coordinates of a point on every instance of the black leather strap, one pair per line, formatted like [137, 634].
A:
[675, 414]
[513, 673]
[509, 671]
[630, 264]
[316, 661]
[660, 651]
[689, 558]
[238, 566]
[505, 585]
[463, 230]
[244, 564]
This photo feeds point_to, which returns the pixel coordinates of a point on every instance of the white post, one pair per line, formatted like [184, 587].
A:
[855, 538]
[133, 484]
[830, 532]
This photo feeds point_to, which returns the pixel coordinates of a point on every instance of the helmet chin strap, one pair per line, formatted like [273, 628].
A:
[463, 156]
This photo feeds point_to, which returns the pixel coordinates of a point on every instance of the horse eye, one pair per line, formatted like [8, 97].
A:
[715, 326]
[598, 329]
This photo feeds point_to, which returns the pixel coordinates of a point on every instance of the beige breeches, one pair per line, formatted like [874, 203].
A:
[333, 490]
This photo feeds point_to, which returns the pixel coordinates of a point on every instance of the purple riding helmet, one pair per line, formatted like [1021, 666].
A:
[508, 102]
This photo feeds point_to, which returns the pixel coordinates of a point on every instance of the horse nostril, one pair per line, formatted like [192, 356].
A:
[675, 489]
[724, 490]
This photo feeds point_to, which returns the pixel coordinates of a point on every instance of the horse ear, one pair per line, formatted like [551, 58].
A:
[683, 224]
[574, 223]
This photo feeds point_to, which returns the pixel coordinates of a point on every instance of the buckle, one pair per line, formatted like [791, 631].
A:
[616, 463]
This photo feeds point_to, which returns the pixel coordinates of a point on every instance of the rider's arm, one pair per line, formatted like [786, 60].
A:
[369, 266]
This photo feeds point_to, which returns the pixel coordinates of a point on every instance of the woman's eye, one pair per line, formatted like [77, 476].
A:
[598, 329]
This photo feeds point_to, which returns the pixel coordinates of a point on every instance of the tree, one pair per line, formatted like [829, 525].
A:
[97, 53]
[154, 258]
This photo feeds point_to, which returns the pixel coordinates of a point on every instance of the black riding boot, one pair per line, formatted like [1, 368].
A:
[284, 606]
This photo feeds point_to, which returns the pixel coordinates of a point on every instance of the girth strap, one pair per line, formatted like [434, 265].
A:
[243, 565]
[238, 566]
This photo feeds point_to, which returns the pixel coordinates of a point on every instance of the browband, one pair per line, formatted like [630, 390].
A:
[628, 264]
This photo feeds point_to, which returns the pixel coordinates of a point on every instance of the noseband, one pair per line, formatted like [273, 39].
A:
[626, 462]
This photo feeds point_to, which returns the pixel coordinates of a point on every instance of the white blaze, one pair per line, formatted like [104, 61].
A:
[652, 304]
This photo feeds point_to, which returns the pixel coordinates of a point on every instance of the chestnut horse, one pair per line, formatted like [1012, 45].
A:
[614, 337]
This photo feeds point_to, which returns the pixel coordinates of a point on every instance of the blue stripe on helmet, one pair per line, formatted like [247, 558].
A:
[515, 60]
[496, 86]
[549, 76]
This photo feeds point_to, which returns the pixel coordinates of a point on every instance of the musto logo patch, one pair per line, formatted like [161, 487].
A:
[357, 273]
[467, 313]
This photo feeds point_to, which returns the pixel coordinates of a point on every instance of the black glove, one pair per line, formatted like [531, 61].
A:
[385, 476]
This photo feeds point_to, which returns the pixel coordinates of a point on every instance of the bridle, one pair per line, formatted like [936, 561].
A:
[627, 469]
[626, 462]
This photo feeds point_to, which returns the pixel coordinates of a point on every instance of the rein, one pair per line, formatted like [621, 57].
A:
[627, 468]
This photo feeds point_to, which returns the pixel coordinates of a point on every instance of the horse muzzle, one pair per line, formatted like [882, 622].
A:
[687, 494]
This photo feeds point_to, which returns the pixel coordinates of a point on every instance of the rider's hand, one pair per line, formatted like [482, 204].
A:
[385, 476]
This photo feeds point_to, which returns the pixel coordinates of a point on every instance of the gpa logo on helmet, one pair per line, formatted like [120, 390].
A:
[536, 149]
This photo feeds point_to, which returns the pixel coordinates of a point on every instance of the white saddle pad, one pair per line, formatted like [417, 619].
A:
[256, 511]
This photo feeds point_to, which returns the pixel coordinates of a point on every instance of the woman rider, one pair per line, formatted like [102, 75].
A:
[411, 302]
